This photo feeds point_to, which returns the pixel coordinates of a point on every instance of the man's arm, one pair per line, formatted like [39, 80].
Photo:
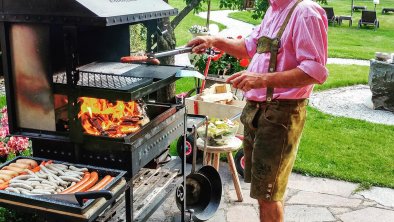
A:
[234, 47]
[294, 78]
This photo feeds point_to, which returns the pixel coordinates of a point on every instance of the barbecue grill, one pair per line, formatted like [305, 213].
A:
[56, 52]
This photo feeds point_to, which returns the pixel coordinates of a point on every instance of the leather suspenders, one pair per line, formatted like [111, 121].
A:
[266, 44]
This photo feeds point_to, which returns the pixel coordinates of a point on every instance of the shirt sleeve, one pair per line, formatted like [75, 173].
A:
[251, 41]
[310, 44]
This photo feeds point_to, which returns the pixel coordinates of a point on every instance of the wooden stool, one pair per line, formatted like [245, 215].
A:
[213, 152]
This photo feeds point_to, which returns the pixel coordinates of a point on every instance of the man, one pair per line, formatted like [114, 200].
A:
[288, 53]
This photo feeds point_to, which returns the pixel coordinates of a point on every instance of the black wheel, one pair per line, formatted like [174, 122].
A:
[240, 162]
[189, 149]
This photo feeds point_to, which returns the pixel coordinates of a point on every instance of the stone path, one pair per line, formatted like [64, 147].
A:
[308, 199]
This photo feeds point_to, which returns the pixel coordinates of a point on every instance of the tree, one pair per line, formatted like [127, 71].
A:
[260, 6]
[167, 42]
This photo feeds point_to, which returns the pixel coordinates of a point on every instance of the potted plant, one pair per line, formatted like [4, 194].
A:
[222, 64]
[198, 30]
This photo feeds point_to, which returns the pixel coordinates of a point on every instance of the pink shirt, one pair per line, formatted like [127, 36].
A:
[303, 45]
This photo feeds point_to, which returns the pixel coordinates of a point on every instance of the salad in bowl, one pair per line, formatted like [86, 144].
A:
[220, 131]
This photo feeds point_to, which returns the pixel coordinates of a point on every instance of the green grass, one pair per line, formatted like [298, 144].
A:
[182, 31]
[351, 42]
[344, 75]
[346, 149]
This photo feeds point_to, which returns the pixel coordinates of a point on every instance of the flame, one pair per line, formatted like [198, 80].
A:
[103, 118]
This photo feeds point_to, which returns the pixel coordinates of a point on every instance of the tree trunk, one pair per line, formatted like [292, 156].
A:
[166, 42]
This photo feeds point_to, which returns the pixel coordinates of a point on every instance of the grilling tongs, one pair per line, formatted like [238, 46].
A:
[152, 57]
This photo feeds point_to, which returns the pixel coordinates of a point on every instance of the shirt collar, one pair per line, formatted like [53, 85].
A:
[279, 4]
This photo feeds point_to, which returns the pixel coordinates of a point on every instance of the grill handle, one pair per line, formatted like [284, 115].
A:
[81, 196]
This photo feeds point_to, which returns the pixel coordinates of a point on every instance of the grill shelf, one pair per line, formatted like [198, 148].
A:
[105, 80]
[134, 82]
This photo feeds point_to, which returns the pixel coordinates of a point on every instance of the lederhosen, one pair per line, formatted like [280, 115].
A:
[272, 132]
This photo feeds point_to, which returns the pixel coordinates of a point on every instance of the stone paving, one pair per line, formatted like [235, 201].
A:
[308, 199]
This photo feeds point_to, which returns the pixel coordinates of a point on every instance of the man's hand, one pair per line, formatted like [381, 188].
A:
[201, 43]
[246, 80]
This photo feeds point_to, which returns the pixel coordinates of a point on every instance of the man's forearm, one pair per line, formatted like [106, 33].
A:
[234, 47]
[294, 78]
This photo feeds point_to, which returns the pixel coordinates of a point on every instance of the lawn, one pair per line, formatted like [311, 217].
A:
[182, 31]
[338, 147]
[351, 42]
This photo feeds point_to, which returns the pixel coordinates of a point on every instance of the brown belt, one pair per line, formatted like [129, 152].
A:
[280, 101]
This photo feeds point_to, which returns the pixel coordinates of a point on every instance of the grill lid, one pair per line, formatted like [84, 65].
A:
[87, 12]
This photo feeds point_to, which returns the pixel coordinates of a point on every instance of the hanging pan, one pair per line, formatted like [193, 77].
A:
[203, 191]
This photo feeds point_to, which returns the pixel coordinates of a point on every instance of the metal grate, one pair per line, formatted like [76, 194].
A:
[102, 80]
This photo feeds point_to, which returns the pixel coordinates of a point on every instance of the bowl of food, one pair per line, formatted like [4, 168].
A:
[220, 131]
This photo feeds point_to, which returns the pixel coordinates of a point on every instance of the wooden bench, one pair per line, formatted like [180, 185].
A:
[359, 8]
[387, 10]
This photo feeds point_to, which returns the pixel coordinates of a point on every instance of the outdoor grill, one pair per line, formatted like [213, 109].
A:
[56, 52]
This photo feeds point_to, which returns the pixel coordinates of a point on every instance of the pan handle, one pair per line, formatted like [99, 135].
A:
[80, 196]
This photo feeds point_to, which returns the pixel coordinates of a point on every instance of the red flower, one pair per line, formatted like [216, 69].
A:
[217, 56]
[239, 37]
[244, 62]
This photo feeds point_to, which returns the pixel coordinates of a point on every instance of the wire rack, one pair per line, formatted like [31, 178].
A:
[101, 80]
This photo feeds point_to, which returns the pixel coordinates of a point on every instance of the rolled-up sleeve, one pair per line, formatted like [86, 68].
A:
[251, 41]
[310, 44]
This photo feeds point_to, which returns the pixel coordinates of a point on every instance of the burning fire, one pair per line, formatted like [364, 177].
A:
[103, 118]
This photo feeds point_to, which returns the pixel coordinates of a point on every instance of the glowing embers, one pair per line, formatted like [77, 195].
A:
[101, 117]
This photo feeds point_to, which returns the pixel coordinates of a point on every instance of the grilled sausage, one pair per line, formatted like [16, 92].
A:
[75, 186]
[30, 162]
[5, 177]
[9, 172]
[88, 184]
[103, 182]
[20, 165]
[15, 169]
[139, 59]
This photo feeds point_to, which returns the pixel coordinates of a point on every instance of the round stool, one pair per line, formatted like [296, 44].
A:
[215, 151]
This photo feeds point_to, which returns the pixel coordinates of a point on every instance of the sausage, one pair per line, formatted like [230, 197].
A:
[139, 59]
[5, 177]
[30, 162]
[9, 172]
[73, 168]
[15, 169]
[75, 186]
[103, 182]
[4, 185]
[88, 184]
[21, 185]
[20, 165]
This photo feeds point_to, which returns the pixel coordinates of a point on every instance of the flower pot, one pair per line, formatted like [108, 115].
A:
[200, 34]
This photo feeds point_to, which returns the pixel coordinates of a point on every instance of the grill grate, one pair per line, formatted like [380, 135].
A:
[103, 80]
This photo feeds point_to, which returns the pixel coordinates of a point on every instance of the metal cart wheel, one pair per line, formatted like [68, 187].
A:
[189, 149]
[240, 162]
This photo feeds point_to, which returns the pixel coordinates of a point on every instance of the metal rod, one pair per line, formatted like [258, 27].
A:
[171, 52]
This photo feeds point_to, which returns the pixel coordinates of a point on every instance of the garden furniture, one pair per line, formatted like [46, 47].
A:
[213, 152]
[387, 10]
[362, 8]
[330, 15]
[345, 17]
[368, 18]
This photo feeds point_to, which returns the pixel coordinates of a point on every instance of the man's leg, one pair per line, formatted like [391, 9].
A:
[271, 211]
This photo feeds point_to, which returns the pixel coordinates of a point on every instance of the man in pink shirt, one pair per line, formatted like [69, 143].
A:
[288, 52]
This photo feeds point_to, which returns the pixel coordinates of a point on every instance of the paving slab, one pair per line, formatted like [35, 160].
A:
[247, 199]
[303, 213]
[242, 213]
[384, 196]
[339, 210]
[220, 216]
[368, 215]
[311, 198]
[321, 185]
